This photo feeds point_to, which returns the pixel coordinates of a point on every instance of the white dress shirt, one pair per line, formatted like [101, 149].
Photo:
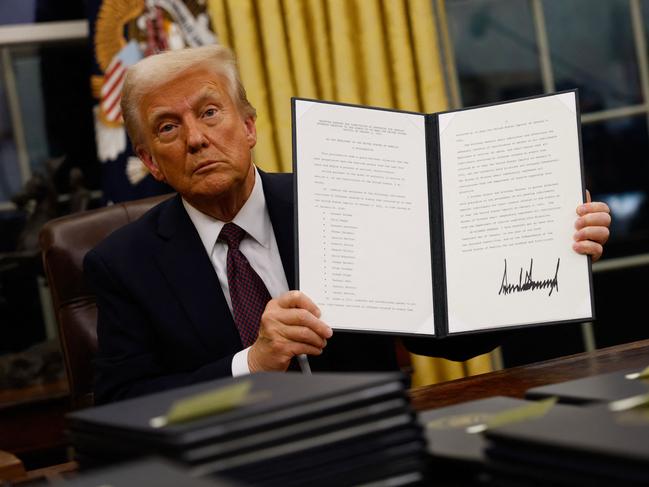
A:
[259, 246]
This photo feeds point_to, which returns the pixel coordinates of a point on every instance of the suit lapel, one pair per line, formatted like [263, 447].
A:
[191, 276]
[278, 191]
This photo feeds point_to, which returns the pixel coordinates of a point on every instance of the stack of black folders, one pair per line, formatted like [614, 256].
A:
[455, 436]
[266, 429]
[592, 431]
[603, 442]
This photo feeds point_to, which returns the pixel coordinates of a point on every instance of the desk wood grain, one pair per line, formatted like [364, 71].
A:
[516, 381]
[32, 418]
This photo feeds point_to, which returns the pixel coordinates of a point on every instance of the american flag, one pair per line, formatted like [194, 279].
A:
[111, 91]
[188, 21]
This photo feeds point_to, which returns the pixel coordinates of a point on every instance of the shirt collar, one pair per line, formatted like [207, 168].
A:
[252, 217]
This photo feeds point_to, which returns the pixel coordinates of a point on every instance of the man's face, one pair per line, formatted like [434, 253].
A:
[195, 139]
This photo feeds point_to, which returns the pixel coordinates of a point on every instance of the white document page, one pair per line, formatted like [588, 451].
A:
[363, 226]
[511, 183]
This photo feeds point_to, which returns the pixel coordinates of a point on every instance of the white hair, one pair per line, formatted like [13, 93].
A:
[154, 71]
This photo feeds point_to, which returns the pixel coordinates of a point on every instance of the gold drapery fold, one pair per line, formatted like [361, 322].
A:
[374, 52]
[401, 46]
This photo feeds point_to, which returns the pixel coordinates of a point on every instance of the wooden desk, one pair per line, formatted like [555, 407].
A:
[512, 382]
[31, 418]
[31, 425]
[515, 381]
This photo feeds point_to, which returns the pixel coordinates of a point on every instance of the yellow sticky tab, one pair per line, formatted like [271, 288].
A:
[639, 401]
[533, 410]
[644, 374]
[205, 404]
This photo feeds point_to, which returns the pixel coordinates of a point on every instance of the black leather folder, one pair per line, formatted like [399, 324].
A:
[284, 398]
[445, 428]
[575, 446]
[598, 388]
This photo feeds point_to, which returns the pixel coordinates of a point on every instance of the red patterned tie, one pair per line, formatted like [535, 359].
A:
[247, 291]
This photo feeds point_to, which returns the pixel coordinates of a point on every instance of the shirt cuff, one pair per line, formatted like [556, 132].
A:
[240, 363]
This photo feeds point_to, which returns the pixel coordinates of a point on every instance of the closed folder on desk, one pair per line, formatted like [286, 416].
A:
[446, 433]
[575, 446]
[283, 398]
[599, 388]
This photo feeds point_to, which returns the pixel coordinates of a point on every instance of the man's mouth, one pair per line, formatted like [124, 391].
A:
[205, 166]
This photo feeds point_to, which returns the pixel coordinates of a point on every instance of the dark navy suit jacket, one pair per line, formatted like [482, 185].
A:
[163, 321]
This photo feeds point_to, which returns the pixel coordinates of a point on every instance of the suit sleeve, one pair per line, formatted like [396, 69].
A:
[127, 364]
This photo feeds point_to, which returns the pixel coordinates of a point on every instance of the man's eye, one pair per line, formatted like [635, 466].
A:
[165, 128]
[210, 112]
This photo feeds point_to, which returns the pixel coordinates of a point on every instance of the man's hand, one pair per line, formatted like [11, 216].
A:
[592, 228]
[290, 326]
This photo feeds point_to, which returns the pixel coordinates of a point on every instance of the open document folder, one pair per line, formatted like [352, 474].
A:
[439, 224]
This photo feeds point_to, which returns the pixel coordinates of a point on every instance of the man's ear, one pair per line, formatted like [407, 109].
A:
[251, 131]
[149, 162]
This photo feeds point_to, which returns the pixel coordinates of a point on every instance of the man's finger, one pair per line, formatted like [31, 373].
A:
[297, 299]
[596, 207]
[302, 348]
[303, 334]
[301, 317]
[596, 234]
[593, 220]
[588, 247]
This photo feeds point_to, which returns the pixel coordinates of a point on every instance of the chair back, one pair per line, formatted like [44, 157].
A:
[64, 243]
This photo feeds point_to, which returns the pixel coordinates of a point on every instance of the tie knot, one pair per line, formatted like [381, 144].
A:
[232, 235]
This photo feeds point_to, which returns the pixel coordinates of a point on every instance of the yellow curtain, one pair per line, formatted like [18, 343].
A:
[373, 52]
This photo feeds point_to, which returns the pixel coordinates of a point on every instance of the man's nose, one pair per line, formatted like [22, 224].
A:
[196, 138]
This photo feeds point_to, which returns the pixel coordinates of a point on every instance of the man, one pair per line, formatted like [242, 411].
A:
[184, 293]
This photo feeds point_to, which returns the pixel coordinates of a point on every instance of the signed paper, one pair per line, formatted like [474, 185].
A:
[511, 183]
[363, 223]
[482, 203]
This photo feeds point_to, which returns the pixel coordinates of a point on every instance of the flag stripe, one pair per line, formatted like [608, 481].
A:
[114, 64]
[109, 83]
[114, 96]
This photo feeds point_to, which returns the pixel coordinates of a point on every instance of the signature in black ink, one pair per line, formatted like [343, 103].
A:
[529, 284]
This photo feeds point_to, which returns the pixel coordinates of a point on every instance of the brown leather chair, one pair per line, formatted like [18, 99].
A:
[65, 242]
